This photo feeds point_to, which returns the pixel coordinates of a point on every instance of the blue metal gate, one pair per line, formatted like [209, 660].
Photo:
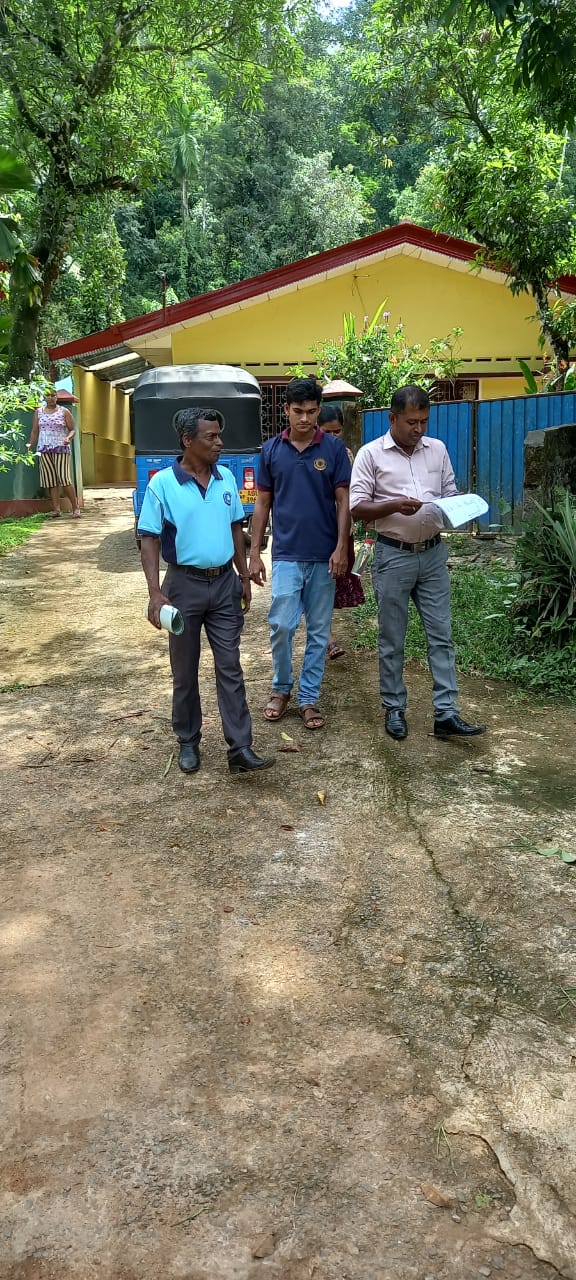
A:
[501, 429]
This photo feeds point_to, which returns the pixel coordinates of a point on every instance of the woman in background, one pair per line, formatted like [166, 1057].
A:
[349, 590]
[53, 428]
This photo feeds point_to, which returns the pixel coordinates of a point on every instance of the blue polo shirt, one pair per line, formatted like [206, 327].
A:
[194, 524]
[303, 486]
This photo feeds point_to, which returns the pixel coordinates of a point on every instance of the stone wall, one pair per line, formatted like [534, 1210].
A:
[549, 464]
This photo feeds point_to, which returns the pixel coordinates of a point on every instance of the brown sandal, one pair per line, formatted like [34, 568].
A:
[309, 714]
[276, 707]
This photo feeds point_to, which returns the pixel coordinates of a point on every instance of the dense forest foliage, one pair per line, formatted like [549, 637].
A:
[180, 148]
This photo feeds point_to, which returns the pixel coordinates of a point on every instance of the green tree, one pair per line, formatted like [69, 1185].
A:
[543, 33]
[507, 198]
[499, 177]
[15, 177]
[320, 161]
[262, 188]
[17, 397]
[89, 87]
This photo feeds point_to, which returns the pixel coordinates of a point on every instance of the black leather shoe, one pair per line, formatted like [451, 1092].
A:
[246, 761]
[188, 758]
[455, 727]
[395, 724]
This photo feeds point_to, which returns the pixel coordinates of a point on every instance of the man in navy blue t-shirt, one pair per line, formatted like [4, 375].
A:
[303, 479]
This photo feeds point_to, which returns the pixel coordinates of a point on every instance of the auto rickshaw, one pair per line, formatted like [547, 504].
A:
[160, 393]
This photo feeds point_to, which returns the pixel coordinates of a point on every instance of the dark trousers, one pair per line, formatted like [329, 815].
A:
[215, 604]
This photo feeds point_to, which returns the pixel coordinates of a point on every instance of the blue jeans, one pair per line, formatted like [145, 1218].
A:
[300, 587]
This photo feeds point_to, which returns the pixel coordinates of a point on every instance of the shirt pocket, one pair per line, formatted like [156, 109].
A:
[432, 481]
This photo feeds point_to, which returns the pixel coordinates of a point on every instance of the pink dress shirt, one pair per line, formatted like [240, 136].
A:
[383, 471]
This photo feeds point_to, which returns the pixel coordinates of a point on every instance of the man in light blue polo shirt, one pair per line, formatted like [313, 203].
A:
[303, 480]
[193, 514]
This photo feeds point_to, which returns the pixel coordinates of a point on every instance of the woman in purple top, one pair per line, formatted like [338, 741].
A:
[53, 428]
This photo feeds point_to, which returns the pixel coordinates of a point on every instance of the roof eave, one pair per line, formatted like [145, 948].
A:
[404, 233]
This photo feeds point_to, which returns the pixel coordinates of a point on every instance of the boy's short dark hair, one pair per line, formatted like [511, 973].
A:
[412, 395]
[186, 421]
[301, 389]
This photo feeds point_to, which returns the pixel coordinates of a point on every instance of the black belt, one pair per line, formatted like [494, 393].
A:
[410, 546]
[195, 572]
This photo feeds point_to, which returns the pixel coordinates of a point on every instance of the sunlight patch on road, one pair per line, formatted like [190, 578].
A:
[22, 929]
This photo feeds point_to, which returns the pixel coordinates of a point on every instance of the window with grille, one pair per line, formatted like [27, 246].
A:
[273, 400]
[447, 389]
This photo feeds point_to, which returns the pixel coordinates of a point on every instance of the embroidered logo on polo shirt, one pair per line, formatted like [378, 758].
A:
[227, 498]
[320, 464]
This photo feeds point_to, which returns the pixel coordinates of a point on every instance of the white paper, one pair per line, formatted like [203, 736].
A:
[462, 507]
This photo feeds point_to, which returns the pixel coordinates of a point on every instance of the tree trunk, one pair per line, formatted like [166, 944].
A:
[23, 352]
[56, 225]
[560, 345]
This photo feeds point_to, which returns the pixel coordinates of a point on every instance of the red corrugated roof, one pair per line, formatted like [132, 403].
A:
[329, 260]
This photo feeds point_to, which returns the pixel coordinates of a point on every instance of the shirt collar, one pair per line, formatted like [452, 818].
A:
[316, 438]
[388, 442]
[183, 476]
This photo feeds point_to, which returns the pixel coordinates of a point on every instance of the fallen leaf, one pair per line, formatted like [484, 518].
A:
[169, 764]
[264, 1245]
[286, 737]
[228, 910]
[245, 1020]
[434, 1196]
[321, 796]
[313, 1080]
[567, 856]
[286, 827]
[548, 852]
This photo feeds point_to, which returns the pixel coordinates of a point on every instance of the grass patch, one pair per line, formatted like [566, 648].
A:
[485, 634]
[15, 531]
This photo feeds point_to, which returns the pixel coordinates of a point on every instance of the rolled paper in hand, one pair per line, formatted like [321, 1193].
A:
[170, 619]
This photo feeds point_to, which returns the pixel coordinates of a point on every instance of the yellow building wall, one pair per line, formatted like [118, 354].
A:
[271, 334]
[107, 454]
[501, 388]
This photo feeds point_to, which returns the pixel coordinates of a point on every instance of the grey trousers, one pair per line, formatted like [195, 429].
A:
[215, 604]
[398, 576]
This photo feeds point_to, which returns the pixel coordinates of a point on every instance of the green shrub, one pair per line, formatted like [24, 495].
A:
[379, 358]
[546, 557]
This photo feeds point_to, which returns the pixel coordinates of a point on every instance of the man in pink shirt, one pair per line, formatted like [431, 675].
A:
[394, 482]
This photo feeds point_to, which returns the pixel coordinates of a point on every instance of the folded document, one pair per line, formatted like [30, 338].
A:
[461, 508]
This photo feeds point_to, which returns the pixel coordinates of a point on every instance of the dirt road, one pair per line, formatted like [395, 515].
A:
[246, 1034]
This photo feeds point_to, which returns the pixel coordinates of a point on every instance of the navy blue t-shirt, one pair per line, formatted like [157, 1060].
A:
[303, 484]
